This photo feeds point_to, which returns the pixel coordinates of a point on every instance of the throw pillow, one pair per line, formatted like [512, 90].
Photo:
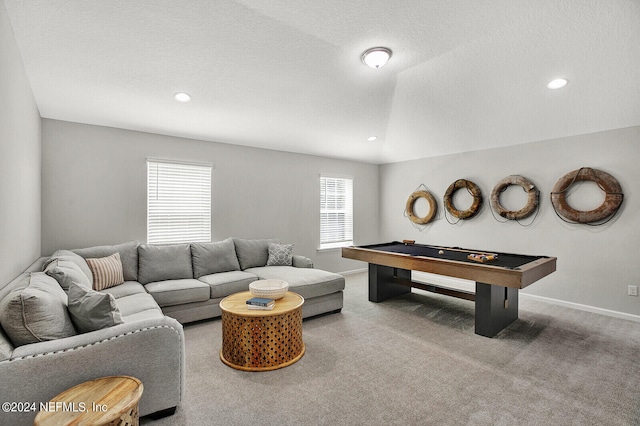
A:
[211, 258]
[107, 271]
[280, 254]
[91, 310]
[36, 311]
[161, 263]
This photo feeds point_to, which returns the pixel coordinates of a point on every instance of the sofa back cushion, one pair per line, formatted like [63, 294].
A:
[68, 255]
[211, 258]
[253, 253]
[67, 267]
[128, 256]
[164, 262]
[36, 311]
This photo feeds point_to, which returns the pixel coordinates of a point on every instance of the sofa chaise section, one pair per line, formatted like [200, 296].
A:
[268, 259]
[322, 291]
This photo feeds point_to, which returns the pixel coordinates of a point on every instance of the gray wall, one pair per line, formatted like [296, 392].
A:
[595, 264]
[19, 161]
[94, 190]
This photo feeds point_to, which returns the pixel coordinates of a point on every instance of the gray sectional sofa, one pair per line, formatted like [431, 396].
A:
[58, 331]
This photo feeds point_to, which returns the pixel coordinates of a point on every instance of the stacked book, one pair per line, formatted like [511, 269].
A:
[261, 303]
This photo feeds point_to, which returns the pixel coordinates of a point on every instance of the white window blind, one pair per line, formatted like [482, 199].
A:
[178, 202]
[336, 212]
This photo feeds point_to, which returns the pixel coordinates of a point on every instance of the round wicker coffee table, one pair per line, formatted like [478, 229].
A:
[109, 401]
[261, 340]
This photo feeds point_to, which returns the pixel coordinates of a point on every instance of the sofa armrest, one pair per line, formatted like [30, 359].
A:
[301, 262]
[150, 350]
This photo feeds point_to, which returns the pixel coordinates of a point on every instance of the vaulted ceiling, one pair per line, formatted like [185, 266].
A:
[287, 75]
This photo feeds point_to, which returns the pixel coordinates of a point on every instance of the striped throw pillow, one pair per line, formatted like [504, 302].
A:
[107, 271]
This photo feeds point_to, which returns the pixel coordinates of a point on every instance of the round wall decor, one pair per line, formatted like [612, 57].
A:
[532, 197]
[606, 182]
[411, 202]
[473, 189]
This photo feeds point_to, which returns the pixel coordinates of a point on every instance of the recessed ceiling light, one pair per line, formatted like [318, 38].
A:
[558, 83]
[182, 97]
[376, 57]
[372, 138]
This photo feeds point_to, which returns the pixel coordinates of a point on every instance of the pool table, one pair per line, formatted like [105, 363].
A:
[498, 276]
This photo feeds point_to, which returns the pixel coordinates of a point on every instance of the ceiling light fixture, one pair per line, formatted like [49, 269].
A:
[558, 83]
[372, 138]
[182, 97]
[376, 57]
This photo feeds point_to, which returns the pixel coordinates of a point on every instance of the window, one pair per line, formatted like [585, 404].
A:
[178, 202]
[336, 212]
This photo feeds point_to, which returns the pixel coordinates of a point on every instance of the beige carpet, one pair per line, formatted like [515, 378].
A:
[415, 360]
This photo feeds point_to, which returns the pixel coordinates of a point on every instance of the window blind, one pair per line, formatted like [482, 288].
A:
[336, 212]
[178, 202]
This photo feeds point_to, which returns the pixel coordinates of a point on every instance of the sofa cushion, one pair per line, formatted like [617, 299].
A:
[66, 270]
[107, 271]
[280, 254]
[144, 315]
[128, 256]
[225, 283]
[36, 311]
[70, 256]
[306, 282]
[135, 303]
[177, 292]
[91, 310]
[252, 253]
[210, 258]
[125, 289]
[164, 262]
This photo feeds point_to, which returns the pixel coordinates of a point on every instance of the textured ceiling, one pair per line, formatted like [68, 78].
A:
[287, 75]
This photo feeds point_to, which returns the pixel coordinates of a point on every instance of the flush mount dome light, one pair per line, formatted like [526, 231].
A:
[558, 83]
[182, 97]
[372, 138]
[376, 57]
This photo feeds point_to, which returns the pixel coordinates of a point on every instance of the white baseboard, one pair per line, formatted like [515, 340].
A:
[468, 285]
[353, 272]
[580, 307]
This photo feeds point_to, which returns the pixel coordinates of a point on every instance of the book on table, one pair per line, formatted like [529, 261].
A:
[261, 302]
[261, 308]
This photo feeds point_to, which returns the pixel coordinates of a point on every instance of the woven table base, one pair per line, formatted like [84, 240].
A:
[264, 341]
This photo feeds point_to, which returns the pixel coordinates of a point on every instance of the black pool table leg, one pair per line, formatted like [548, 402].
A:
[496, 308]
[381, 285]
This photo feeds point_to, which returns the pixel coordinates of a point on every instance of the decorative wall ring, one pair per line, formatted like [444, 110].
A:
[606, 182]
[432, 207]
[533, 196]
[473, 189]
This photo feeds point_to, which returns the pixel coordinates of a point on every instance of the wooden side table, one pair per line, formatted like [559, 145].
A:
[261, 340]
[109, 401]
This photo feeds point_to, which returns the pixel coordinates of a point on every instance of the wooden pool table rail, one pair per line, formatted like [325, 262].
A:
[482, 272]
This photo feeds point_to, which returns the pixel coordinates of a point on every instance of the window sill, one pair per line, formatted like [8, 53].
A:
[334, 246]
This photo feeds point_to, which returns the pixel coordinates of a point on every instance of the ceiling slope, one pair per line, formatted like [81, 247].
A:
[287, 75]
